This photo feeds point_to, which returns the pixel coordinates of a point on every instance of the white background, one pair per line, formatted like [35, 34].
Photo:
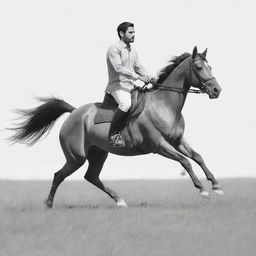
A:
[58, 47]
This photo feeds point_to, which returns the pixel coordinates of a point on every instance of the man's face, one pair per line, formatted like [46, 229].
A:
[129, 35]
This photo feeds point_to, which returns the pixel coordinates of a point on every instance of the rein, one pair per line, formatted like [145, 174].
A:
[162, 87]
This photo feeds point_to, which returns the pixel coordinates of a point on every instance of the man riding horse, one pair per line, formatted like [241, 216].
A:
[158, 129]
[124, 69]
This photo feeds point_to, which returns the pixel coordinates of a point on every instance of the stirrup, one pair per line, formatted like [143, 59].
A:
[117, 141]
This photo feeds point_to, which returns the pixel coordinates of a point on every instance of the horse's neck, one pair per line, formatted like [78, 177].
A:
[174, 101]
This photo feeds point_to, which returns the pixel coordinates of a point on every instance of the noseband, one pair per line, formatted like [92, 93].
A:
[192, 69]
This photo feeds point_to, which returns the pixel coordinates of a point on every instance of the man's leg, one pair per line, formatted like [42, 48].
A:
[123, 98]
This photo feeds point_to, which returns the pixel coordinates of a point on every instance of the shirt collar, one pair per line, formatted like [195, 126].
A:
[124, 45]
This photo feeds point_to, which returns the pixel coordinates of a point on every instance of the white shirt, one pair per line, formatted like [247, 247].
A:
[123, 66]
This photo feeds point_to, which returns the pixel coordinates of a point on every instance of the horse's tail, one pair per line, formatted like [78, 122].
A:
[37, 121]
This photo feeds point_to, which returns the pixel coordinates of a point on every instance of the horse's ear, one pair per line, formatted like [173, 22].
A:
[194, 52]
[204, 53]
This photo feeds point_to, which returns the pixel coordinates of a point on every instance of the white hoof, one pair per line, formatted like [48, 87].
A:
[218, 191]
[121, 203]
[204, 194]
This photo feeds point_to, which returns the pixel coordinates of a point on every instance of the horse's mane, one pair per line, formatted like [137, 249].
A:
[173, 63]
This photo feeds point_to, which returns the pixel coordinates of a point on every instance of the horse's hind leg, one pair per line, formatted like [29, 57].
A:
[96, 158]
[184, 148]
[59, 176]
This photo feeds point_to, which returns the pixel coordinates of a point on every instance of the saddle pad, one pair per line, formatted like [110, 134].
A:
[108, 106]
[103, 115]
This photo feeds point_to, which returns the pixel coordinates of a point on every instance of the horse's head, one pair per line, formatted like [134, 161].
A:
[201, 76]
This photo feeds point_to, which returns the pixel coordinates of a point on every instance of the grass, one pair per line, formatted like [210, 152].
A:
[163, 218]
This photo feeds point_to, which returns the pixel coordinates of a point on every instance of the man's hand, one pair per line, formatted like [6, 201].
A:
[147, 79]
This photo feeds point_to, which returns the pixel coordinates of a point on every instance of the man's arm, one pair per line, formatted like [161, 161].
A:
[115, 59]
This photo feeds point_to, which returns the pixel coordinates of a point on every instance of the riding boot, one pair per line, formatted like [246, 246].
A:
[118, 119]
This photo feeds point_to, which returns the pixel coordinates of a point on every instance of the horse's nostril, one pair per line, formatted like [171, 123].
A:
[215, 89]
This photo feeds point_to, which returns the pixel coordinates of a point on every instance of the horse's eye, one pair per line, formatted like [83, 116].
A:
[199, 67]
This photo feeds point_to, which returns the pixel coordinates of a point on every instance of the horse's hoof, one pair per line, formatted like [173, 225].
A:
[121, 203]
[48, 203]
[219, 192]
[204, 194]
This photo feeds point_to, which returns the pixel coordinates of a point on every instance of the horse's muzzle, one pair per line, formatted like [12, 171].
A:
[213, 89]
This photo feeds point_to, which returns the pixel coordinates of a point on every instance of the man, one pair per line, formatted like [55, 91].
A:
[124, 69]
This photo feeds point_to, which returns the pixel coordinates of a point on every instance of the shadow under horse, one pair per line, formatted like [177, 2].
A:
[159, 128]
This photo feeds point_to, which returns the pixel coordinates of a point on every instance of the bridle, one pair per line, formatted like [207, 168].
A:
[201, 80]
[192, 69]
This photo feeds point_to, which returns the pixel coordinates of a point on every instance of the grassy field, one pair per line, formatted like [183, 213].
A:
[163, 218]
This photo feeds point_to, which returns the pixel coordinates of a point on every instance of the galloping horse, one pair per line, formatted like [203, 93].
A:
[158, 129]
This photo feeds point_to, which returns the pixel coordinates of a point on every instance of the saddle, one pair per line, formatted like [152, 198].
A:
[108, 106]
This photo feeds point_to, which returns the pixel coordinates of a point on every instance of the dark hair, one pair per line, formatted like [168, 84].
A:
[123, 27]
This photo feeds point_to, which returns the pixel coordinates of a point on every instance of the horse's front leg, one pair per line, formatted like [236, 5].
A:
[184, 148]
[167, 150]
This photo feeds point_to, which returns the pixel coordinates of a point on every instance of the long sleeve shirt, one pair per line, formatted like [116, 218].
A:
[123, 67]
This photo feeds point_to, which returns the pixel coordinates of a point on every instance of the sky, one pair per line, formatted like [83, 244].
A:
[58, 48]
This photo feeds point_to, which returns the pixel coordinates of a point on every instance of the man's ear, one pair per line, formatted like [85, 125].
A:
[121, 33]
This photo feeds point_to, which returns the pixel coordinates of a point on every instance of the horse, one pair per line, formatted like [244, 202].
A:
[158, 129]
